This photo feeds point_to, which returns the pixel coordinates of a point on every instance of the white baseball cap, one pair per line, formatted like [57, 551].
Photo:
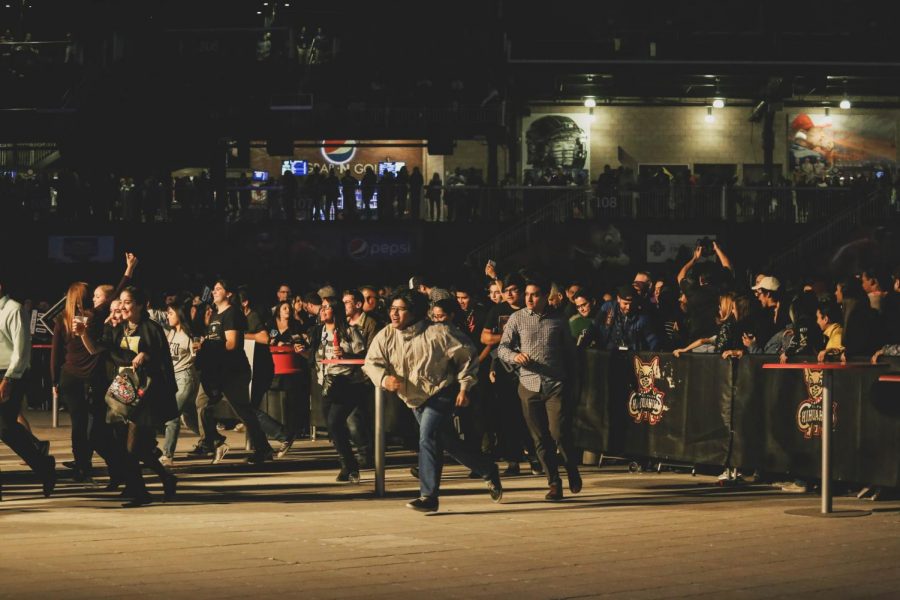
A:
[768, 283]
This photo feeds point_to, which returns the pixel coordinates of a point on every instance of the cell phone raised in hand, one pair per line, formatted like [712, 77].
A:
[206, 295]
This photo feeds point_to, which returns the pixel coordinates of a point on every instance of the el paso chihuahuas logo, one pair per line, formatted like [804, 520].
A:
[809, 413]
[647, 402]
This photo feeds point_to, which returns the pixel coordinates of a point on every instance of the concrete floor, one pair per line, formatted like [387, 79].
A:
[288, 529]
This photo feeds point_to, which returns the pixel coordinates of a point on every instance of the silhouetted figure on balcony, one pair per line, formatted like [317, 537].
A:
[369, 182]
[401, 191]
[435, 190]
[314, 191]
[416, 182]
[349, 184]
[289, 196]
[386, 196]
[244, 195]
[332, 192]
[455, 197]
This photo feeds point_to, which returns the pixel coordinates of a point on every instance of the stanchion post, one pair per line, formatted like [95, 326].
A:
[54, 406]
[826, 441]
[379, 442]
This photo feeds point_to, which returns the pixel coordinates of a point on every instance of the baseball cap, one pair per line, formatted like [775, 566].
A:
[768, 283]
[626, 292]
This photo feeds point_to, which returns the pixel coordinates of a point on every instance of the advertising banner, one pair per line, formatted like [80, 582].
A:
[823, 145]
[343, 156]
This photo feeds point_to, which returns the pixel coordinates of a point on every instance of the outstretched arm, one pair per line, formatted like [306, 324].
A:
[698, 251]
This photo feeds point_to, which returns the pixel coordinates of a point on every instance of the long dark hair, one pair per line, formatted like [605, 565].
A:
[182, 311]
[291, 320]
[138, 298]
[340, 317]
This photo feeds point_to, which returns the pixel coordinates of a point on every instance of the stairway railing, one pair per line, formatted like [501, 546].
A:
[525, 230]
[875, 205]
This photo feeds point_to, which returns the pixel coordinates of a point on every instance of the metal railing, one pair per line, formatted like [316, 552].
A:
[876, 205]
[559, 210]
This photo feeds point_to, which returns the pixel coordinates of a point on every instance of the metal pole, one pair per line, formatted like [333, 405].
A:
[826, 441]
[55, 408]
[379, 442]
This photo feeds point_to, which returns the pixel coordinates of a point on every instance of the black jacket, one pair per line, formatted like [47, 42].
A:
[158, 405]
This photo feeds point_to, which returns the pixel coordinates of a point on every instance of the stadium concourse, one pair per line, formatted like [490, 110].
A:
[237, 532]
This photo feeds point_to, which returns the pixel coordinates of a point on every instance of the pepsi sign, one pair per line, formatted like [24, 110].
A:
[338, 152]
[379, 248]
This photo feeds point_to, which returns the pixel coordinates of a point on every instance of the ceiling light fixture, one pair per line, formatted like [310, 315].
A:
[590, 102]
[718, 103]
[845, 103]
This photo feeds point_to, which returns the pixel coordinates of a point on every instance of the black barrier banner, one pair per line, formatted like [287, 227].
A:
[684, 410]
[654, 405]
[778, 419]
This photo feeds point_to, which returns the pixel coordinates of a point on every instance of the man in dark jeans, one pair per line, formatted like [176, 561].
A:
[15, 355]
[537, 339]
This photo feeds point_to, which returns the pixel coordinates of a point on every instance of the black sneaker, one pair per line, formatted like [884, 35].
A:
[199, 451]
[424, 504]
[138, 501]
[494, 485]
[512, 469]
[70, 464]
[575, 482]
[536, 467]
[414, 471]
[49, 482]
[258, 458]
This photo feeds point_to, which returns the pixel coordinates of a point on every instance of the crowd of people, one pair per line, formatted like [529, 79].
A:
[486, 364]
[460, 195]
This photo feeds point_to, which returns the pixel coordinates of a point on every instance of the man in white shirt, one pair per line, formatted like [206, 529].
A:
[15, 357]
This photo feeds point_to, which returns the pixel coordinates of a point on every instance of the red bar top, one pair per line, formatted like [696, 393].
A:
[891, 377]
[824, 366]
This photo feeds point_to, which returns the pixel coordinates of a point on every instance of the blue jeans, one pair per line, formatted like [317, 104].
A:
[436, 434]
[188, 383]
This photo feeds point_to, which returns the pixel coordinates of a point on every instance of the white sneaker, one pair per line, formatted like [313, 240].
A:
[221, 451]
[795, 488]
[166, 461]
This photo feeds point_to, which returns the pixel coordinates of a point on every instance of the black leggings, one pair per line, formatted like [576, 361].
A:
[343, 398]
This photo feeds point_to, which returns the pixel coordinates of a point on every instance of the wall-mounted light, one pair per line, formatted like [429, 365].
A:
[845, 103]
[590, 102]
[718, 103]
[709, 118]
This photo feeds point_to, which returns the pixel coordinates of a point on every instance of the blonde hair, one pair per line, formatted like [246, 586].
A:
[74, 303]
[726, 307]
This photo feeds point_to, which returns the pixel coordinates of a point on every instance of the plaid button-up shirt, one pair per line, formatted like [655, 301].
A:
[545, 338]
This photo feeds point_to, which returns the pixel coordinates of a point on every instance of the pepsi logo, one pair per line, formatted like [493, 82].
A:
[338, 152]
[358, 248]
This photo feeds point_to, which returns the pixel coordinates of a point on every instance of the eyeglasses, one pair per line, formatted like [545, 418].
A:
[582, 305]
